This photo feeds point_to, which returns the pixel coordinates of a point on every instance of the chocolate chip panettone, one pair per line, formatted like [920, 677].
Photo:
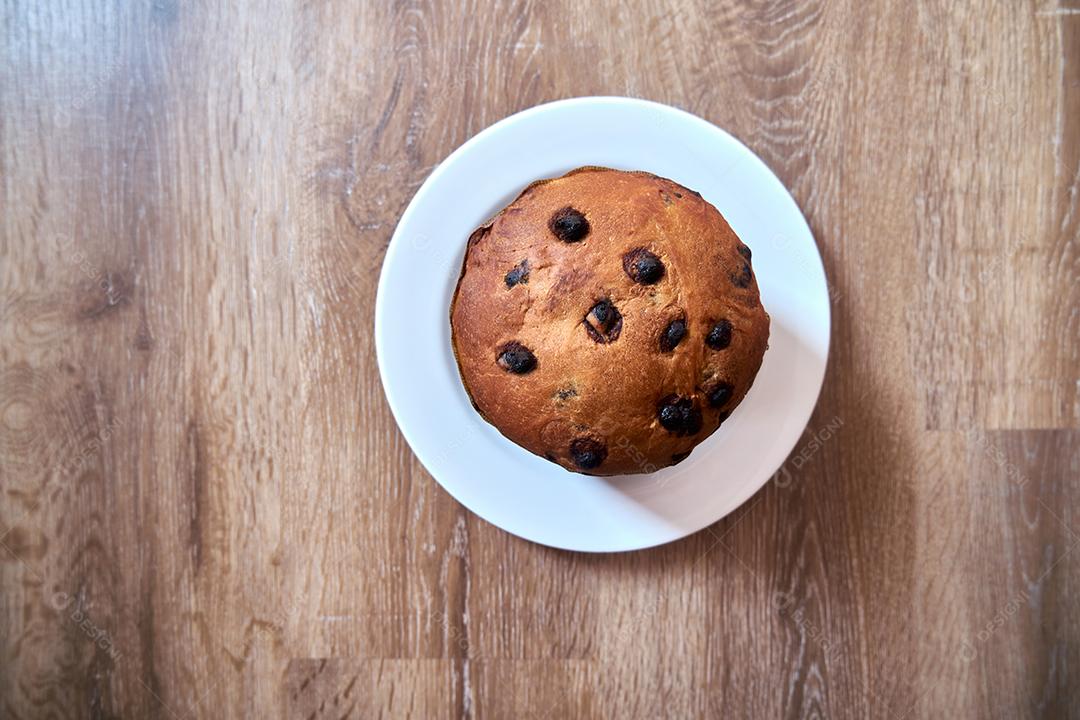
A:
[608, 321]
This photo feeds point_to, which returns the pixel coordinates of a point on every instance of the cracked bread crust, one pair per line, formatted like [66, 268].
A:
[568, 274]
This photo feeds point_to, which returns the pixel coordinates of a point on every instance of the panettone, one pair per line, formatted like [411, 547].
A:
[608, 321]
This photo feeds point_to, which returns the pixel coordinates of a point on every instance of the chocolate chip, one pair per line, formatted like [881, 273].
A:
[587, 453]
[678, 195]
[745, 252]
[519, 274]
[743, 277]
[603, 311]
[720, 336]
[679, 457]
[679, 415]
[565, 394]
[673, 335]
[569, 225]
[516, 358]
[720, 394]
[643, 266]
[603, 322]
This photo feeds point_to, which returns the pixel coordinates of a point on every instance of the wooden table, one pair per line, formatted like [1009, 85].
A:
[208, 511]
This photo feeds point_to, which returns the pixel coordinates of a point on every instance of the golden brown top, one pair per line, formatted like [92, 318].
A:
[607, 320]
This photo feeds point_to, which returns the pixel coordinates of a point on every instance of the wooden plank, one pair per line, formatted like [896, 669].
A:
[207, 509]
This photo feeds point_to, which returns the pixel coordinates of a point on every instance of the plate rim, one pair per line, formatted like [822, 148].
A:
[395, 244]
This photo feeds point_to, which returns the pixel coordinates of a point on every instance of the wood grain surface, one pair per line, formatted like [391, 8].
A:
[208, 511]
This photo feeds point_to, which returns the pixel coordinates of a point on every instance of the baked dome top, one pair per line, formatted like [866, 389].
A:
[607, 320]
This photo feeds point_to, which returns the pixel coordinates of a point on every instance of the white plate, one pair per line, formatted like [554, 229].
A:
[525, 494]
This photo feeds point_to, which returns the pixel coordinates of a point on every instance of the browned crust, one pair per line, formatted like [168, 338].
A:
[612, 403]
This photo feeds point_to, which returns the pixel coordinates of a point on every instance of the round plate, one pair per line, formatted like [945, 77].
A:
[525, 494]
